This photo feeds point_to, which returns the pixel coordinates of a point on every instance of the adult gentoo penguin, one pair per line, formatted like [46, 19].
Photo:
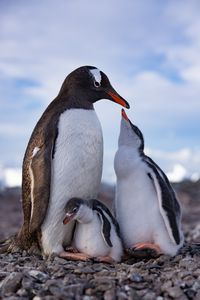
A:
[63, 159]
[147, 209]
[96, 232]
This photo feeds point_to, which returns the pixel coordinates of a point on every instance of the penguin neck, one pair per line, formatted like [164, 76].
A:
[72, 99]
[127, 143]
[85, 214]
[128, 138]
[129, 151]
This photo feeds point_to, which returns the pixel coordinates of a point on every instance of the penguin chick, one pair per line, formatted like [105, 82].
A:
[147, 209]
[96, 234]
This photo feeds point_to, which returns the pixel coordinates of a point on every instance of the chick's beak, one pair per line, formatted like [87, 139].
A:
[68, 218]
[124, 115]
[114, 96]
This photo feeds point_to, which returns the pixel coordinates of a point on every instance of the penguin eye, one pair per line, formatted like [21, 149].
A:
[75, 209]
[97, 84]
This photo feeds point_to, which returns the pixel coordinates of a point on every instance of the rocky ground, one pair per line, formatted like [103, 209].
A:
[31, 277]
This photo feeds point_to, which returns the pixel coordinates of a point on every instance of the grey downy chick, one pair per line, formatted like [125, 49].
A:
[147, 208]
[96, 234]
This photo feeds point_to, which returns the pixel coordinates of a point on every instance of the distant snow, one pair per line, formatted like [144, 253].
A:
[177, 174]
[10, 177]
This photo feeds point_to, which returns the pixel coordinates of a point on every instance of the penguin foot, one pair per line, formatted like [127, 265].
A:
[104, 259]
[75, 256]
[4, 245]
[71, 249]
[144, 250]
[10, 245]
[35, 250]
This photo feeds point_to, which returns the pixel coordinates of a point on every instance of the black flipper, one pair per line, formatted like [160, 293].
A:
[166, 180]
[37, 170]
[105, 227]
[104, 215]
[168, 203]
[99, 205]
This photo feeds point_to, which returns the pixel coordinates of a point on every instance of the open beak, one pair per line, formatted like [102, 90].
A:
[114, 96]
[68, 218]
[124, 115]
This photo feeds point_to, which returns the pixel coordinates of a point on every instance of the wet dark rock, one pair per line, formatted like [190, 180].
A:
[27, 282]
[190, 293]
[149, 296]
[22, 293]
[166, 285]
[138, 285]
[110, 294]
[153, 266]
[122, 296]
[60, 261]
[3, 275]
[39, 276]
[197, 296]
[175, 292]
[87, 270]
[11, 283]
[136, 277]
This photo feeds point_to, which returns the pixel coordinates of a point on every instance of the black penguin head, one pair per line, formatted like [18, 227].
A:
[130, 134]
[72, 208]
[88, 84]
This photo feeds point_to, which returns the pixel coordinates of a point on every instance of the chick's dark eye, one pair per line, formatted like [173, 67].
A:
[75, 209]
[97, 84]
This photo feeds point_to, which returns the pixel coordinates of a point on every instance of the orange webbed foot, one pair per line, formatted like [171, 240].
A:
[104, 259]
[144, 250]
[74, 256]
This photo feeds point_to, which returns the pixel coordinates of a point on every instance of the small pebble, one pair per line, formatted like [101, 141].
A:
[175, 292]
[136, 277]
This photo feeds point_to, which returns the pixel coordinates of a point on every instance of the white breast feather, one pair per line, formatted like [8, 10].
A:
[76, 171]
[89, 240]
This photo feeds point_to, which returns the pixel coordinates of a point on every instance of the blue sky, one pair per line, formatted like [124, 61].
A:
[149, 50]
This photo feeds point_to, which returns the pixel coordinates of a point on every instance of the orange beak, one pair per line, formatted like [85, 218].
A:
[67, 219]
[124, 115]
[117, 98]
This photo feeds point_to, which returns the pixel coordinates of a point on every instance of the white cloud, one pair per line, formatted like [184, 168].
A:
[185, 56]
[179, 164]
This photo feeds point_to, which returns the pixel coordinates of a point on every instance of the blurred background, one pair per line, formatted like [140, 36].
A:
[149, 50]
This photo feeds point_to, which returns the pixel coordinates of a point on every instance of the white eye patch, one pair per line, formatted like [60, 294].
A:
[97, 75]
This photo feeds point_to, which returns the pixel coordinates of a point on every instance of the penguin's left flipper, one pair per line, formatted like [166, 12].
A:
[168, 203]
[105, 227]
[106, 219]
[75, 256]
[40, 168]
